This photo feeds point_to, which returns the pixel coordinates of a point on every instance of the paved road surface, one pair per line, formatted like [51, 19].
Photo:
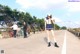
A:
[37, 44]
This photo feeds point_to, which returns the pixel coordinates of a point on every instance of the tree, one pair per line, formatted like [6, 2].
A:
[41, 23]
[56, 27]
[1, 13]
[63, 27]
[28, 18]
[15, 15]
[6, 12]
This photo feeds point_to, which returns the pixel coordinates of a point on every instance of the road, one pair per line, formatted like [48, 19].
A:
[37, 44]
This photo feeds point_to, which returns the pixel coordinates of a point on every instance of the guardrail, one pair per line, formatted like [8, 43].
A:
[77, 33]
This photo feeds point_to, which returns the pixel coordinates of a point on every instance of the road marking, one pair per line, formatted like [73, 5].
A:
[64, 45]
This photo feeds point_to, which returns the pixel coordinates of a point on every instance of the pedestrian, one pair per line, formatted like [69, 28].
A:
[25, 29]
[14, 27]
[49, 26]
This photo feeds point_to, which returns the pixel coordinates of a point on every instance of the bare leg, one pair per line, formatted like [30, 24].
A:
[53, 35]
[49, 44]
[54, 38]
[48, 38]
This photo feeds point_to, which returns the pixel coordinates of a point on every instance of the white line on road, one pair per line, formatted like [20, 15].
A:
[64, 45]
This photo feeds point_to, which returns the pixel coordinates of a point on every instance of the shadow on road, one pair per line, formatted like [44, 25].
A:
[45, 39]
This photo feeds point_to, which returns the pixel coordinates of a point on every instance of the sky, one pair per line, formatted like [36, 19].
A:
[65, 12]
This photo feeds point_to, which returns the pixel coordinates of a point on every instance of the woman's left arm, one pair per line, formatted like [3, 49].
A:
[53, 21]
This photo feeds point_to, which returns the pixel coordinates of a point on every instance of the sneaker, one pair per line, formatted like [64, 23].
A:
[49, 44]
[56, 45]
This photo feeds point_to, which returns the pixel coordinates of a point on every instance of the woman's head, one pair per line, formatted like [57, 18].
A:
[49, 16]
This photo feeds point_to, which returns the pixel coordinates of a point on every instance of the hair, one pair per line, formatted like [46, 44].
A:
[49, 16]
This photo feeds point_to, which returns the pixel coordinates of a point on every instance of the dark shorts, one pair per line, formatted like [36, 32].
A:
[49, 26]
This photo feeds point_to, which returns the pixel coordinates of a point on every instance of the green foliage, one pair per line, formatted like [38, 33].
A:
[63, 27]
[56, 27]
[0, 32]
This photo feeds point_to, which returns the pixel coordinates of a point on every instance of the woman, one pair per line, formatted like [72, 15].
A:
[49, 28]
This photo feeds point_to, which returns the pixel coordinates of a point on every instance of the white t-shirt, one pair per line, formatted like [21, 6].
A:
[48, 21]
[15, 27]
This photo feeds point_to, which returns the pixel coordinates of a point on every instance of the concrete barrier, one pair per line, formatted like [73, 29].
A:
[77, 33]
